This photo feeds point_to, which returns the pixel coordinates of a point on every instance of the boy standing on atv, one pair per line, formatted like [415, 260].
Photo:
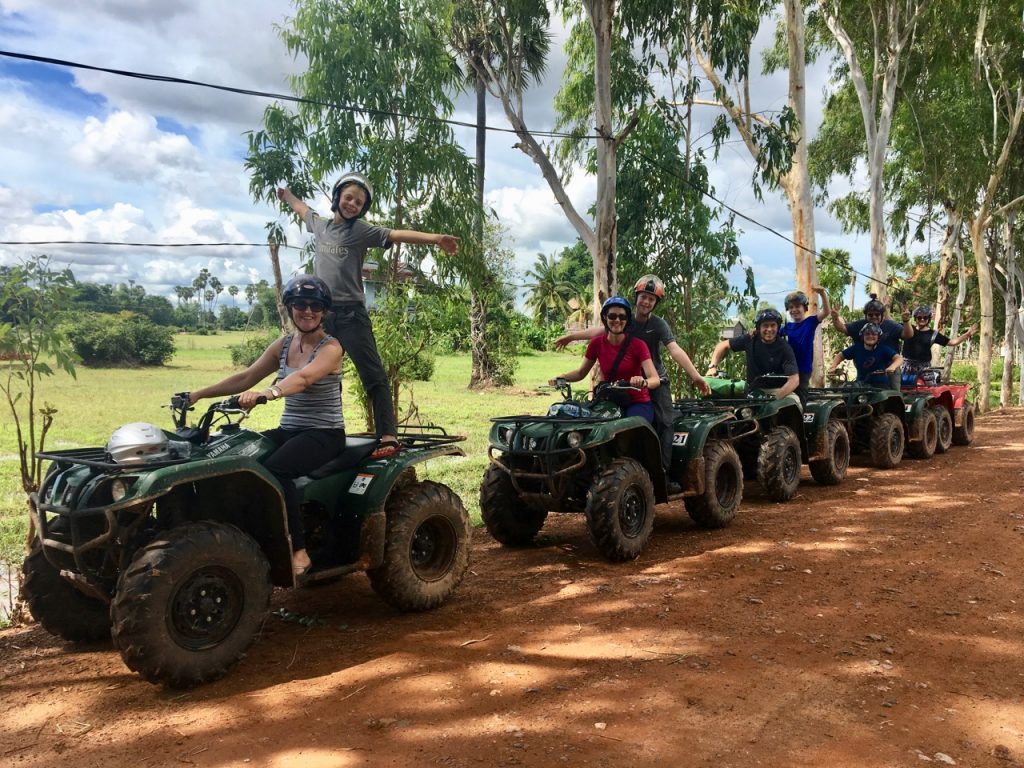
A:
[917, 351]
[653, 331]
[869, 357]
[801, 329]
[768, 354]
[341, 245]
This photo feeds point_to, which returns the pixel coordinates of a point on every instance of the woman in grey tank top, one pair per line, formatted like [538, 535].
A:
[307, 363]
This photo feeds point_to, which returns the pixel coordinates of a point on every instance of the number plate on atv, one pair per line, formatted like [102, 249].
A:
[808, 418]
[360, 484]
[679, 438]
[908, 406]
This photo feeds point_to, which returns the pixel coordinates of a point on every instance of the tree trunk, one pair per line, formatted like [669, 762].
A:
[954, 221]
[977, 227]
[481, 368]
[605, 284]
[275, 263]
[1009, 359]
[958, 308]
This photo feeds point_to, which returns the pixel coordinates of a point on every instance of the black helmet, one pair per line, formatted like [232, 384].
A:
[923, 311]
[874, 305]
[796, 297]
[308, 287]
[616, 301]
[651, 284]
[768, 315]
[352, 178]
[870, 328]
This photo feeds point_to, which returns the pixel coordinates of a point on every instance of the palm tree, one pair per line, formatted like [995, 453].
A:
[475, 37]
[549, 293]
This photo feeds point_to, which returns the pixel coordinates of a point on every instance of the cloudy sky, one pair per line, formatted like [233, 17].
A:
[94, 156]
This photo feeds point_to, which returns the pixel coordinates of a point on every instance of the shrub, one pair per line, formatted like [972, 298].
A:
[124, 339]
[245, 354]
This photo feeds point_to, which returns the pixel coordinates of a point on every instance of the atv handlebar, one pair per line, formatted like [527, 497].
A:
[181, 404]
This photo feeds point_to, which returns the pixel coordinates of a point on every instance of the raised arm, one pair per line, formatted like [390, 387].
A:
[963, 336]
[908, 325]
[837, 321]
[720, 351]
[683, 360]
[447, 243]
[825, 309]
[583, 334]
[299, 207]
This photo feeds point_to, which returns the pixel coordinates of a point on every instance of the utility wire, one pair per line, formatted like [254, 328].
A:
[550, 134]
[141, 245]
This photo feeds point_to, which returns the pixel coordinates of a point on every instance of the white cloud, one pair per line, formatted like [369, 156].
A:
[130, 147]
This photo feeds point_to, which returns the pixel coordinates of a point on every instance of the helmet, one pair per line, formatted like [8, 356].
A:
[137, 443]
[352, 178]
[616, 301]
[796, 297]
[923, 311]
[870, 328]
[650, 284]
[768, 315]
[306, 287]
[874, 305]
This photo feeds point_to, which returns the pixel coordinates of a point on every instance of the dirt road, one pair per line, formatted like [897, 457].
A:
[878, 623]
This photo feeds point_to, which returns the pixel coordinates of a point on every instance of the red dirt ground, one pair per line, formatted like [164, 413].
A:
[878, 623]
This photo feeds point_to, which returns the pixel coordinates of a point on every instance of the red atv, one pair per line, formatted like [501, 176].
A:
[954, 413]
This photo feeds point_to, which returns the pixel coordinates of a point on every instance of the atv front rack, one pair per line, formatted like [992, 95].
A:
[99, 459]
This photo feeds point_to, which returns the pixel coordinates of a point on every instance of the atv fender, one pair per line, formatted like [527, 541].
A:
[639, 442]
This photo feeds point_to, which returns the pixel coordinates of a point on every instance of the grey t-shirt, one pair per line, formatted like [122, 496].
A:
[340, 252]
[654, 332]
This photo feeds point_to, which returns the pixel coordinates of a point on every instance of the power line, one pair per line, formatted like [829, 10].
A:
[142, 245]
[550, 134]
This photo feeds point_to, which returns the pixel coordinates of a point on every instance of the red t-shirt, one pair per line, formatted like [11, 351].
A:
[631, 364]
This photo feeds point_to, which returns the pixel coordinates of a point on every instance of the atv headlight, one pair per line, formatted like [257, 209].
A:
[118, 489]
[574, 439]
[504, 433]
[746, 413]
[862, 398]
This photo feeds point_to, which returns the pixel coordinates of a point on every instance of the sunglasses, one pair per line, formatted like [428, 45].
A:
[313, 306]
[615, 316]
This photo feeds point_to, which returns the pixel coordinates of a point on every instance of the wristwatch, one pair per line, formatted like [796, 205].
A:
[275, 391]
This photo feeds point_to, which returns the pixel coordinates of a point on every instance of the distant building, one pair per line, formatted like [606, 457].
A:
[733, 331]
[372, 284]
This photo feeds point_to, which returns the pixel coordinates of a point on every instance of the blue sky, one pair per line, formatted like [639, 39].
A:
[92, 156]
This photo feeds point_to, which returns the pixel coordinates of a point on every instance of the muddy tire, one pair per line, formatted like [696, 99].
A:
[925, 447]
[887, 441]
[190, 603]
[508, 518]
[964, 434]
[778, 464]
[723, 487]
[426, 552]
[61, 609]
[831, 470]
[620, 510]
[943, 428]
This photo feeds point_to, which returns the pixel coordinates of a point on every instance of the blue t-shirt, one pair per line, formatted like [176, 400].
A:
[868, 360]
[801, 338]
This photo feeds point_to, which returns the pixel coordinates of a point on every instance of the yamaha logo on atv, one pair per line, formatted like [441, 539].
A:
[222, 448]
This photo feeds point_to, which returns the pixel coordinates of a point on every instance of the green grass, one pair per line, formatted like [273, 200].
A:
[90, 407]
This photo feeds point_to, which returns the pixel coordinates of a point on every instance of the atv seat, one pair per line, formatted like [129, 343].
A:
[357, 449]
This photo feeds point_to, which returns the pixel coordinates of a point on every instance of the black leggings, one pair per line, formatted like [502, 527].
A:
[299, 452]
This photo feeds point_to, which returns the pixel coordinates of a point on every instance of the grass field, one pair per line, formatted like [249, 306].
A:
[90, 407]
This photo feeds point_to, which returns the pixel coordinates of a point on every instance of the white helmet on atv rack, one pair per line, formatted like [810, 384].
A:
[138, 443]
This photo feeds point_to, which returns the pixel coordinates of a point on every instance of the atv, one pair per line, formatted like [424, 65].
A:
[954, 413]
[173, 545]
[771, 452]
[880, 421]
[585, 456]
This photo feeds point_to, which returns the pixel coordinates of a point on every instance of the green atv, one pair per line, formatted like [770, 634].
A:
[772, 451]
[585, 456]
[880, 422]
[172, 544]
